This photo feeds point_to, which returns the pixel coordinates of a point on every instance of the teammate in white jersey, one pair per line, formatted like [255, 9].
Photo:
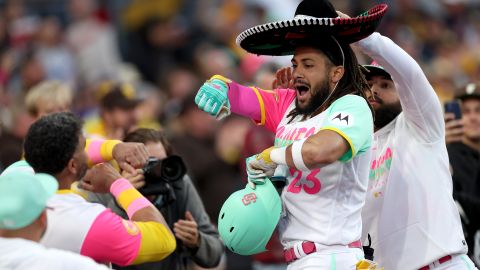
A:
[409, 212]
[55, 145]
[23, 221]
[323, 128]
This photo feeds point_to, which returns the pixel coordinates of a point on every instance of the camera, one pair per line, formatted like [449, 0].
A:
[160, 173]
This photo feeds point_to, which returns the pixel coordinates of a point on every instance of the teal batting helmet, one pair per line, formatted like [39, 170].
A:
[248, 218]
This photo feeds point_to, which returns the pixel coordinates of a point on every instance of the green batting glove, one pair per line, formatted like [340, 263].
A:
[212, 97]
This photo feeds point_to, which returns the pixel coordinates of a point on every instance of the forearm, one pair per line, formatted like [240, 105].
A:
[417, 97]
[404, 70]
[99, 151]
[138, 208]
[245, 101]
[318, 150]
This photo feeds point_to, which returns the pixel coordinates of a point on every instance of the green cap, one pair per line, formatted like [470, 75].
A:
[248, 218]
[19, 166]
[23, 197]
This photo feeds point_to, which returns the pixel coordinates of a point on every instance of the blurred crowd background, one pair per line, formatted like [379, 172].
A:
[122, 64]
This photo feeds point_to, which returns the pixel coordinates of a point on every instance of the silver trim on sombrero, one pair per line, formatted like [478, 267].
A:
[297, 21]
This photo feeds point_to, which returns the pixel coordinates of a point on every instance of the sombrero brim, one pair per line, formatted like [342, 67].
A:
[372, 70]
[278, 38]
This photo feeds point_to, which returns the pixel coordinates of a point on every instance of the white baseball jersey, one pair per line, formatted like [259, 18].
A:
[21, 254]
[324, 205]
[409, 212]
[321, 205]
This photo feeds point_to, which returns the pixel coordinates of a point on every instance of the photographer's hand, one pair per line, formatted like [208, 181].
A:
[187, 231]
[137, 179]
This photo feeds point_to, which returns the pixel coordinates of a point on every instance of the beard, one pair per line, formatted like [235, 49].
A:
[82, 170]
[316, 100]
[386, 113]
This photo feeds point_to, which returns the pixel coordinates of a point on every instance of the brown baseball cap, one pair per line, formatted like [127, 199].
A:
[470, 91]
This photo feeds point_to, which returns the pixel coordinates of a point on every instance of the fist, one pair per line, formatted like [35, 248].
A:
[99, 178]
[212, 97]
[130, 156]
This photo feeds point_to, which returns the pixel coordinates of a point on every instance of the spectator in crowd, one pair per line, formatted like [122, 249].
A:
[93, 42]
[55, 56]
[48, 97]
[23, 221]
[117, 111]
[197, 238]
[86, 228]
[464, 153]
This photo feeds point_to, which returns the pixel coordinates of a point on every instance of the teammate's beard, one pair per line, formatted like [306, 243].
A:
[316, 100]
[82, 171]
[386, 113]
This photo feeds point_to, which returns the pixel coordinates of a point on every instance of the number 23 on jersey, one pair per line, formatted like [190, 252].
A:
[310, 184]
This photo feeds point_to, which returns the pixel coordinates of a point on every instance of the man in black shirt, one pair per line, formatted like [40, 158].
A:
[464, 154]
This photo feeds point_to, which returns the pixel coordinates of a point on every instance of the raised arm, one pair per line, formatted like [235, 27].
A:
[420, 103]
[219, 95]
[145, 237]
[128, 155]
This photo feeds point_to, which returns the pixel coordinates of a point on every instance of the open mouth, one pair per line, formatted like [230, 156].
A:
[302, 89]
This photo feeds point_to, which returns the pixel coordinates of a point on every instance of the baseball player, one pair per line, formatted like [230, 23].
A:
[87, 228]
[323, 131]
[409, 213]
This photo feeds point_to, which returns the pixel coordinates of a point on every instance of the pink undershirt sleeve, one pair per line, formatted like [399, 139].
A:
[112, 239]
[265, 107]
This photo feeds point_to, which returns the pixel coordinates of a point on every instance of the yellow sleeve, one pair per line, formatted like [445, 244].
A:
[157, 242]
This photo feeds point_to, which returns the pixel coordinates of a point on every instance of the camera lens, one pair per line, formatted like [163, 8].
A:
[173, 168]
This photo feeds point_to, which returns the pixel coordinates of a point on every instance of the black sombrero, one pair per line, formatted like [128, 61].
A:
[374, 69]
[313, 18]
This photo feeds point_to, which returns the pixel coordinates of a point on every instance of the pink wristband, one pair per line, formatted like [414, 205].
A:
[119, 186]
[95, 151]
[136, 205]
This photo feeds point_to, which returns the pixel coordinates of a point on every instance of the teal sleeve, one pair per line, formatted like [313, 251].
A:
[351, 118]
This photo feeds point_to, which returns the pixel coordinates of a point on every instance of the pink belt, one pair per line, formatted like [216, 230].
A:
[309, 247]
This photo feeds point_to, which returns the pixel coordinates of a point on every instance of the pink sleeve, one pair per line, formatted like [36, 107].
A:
[112, 239]
[265, 107]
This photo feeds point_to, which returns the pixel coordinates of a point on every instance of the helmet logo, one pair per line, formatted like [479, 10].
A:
[249, 198]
